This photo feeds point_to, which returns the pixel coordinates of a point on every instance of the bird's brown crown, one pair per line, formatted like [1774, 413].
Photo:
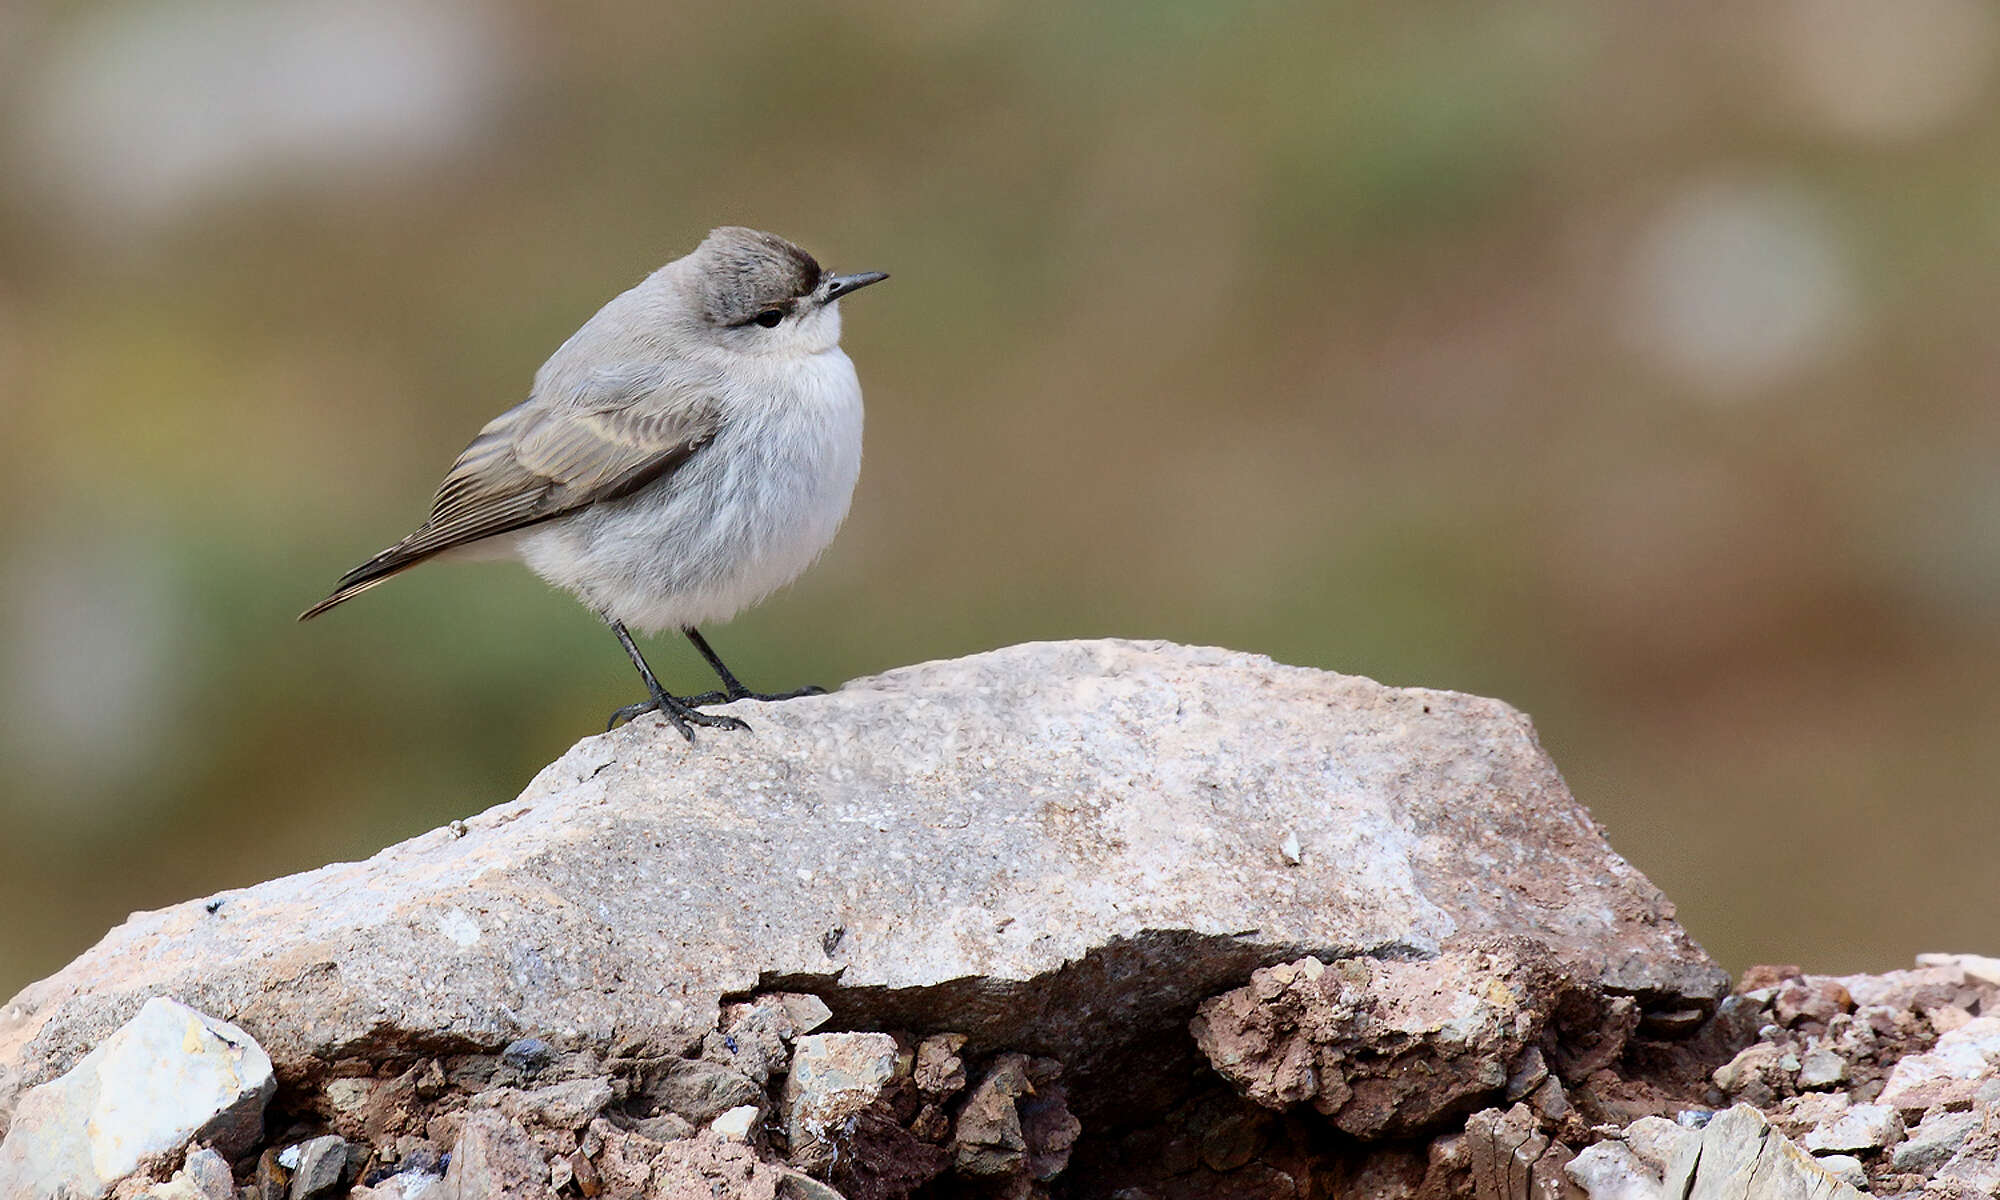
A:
[745, 272]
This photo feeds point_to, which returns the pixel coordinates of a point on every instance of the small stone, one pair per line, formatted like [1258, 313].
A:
[1655, 1139]
[1290, 848]
[320, 1164]
[736, 1124]
[794, 1186]
[1813, 998]
[701, 1090]
[406, 1185]
[1844, 1167]
[1770, 976]
[834, 1076]
[1363, 1041]
[1804, 1112]
[1672, 1023]
[566, 1105]
[807, 1011]
[1932, 1143]
[939, 1070]
[209, 1172]
[1549, 1101]
[1862, 1127]
[431, 1083]
[273, 1180]
[1822, 1067]
[987, 1140]
[753, 1038]
[1610, 1171]
[350, 1101]
[1506, 1147]
[1947, 1017]
[167, 1077]
[584, 1173]
[205, 1176]
[495, 1157]
[527, 1056]
[1528, 1075]
[1757, 1074]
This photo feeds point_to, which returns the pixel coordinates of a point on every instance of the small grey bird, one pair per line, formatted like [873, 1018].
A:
[686, 453]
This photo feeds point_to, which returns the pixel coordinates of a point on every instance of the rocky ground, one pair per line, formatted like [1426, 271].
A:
[1107, 919]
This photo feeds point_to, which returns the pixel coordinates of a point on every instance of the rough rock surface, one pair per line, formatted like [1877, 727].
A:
[168, 1076]
[1387, 1048]
[1082, 920]
[1006, 836]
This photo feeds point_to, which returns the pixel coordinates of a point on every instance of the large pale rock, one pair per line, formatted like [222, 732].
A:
[1740, 1157]
[166, 1077]
[1056, 848]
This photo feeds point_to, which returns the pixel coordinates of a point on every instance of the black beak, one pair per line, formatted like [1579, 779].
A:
[836, 286]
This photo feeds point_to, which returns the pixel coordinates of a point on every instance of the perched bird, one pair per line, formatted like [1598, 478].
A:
[686, 453]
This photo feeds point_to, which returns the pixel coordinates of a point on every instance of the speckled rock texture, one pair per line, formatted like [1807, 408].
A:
[1057, 849]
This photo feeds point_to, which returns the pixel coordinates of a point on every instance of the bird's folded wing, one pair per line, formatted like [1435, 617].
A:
[538, 461]
[529, 466]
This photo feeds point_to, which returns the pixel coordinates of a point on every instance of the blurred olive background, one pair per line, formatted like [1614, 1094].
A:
[1636, 367]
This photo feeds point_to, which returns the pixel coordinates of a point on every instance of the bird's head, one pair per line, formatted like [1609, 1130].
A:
[761, 295]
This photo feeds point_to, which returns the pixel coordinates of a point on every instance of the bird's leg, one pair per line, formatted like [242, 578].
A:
[733, 688]
[680, 712]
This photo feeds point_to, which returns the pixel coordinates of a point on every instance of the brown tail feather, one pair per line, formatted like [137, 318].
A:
[380, 569]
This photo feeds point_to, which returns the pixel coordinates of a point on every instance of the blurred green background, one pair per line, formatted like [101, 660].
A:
[1636, 367]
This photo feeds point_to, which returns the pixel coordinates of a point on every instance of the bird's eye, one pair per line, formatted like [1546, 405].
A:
[770, 317]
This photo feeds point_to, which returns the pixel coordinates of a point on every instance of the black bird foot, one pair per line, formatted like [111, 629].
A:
[811, 689]
[681, 712]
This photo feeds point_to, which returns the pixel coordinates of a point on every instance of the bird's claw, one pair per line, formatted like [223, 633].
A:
[680, 712]
[811, 689]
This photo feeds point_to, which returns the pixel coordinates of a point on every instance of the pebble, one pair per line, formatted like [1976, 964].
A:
[1932, 1143]
[1862, 1127]
[1290, 848]
[1528, 1075]
[1813, 998]
[735, 1125]
[1655, 1139]
[318, 1167]
[209, 1172]
[1610, 1171]
[1822, 1067]
[1844, 1167]
[528, 1055]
